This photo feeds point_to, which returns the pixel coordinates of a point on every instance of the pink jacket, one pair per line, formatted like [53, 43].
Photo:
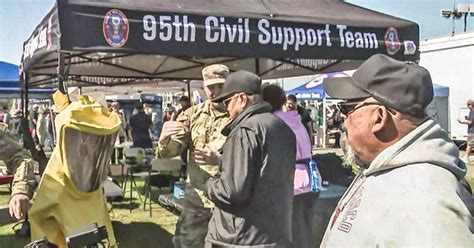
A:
[303, 149]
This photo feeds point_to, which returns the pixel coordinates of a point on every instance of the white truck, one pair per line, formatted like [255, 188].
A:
[450, 61]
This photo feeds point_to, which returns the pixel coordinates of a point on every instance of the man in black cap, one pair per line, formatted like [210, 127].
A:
[253, 192]
[409, 192]
[140, 127]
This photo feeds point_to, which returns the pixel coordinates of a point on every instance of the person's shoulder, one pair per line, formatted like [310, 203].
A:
[133, 118]
[204, 106]
[198, 109]
[264, 119]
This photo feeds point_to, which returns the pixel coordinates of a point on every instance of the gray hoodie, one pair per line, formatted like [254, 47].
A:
[406, 198]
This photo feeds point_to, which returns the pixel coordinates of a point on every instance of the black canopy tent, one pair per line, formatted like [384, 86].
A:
[116, 42]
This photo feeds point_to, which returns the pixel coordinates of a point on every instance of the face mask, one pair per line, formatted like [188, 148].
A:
[87, 156]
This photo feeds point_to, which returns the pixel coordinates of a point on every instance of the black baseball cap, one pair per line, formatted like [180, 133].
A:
[240, 81]
[403, 86]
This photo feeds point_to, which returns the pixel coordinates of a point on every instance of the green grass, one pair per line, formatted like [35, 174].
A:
[136, 229]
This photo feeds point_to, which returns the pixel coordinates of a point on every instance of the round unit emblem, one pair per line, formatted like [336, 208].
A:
[392, 42]
[115, 28]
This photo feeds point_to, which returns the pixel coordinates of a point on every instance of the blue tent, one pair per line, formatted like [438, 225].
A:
[10, 83]
[314, 90]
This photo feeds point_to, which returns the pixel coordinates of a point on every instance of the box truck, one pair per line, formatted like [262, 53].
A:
[450, 61]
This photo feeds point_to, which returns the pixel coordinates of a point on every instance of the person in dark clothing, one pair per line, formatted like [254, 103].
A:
[139, 127]
[253, 191]
[303, 202]
[291, 104]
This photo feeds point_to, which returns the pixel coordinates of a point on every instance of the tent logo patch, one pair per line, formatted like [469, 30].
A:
[392, 42]
[115, 28]
[410, 47]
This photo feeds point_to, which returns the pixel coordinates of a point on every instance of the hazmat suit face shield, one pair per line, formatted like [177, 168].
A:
[87, 156]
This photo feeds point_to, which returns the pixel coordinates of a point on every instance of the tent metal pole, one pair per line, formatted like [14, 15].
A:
[257, 67]
[60, 71]
[62, 80]
[22, 92]
[25, 103]
[189, 91]
[324, 123]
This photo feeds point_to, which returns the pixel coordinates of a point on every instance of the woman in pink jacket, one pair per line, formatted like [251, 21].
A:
[303, 201]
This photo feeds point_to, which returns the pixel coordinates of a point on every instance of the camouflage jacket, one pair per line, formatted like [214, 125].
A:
[19, 163]
[203, 126]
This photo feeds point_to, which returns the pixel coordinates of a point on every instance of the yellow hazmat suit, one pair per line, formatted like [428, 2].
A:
[70, 195]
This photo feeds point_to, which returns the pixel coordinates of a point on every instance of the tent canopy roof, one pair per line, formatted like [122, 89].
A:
[9, 75]
[10, 83]
[119, 41]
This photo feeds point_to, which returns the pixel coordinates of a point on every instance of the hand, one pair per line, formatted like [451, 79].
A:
[19, 206]
[460, 121]
[171, 128]
[207, 156]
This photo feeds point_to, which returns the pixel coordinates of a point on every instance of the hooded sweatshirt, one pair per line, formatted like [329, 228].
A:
[303, 149]
[406, 198]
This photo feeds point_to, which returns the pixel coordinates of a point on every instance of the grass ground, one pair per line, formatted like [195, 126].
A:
[137, 229]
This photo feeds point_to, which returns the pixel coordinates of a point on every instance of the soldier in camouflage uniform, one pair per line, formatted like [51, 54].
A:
[199, 128]
[20, 163]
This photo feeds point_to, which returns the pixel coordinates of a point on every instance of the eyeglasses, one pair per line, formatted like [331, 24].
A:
[348, 108]
[226, 101]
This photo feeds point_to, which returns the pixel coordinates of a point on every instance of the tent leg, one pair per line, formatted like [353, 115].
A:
[62, 77]
[324, 123]
[25, 102]
[22, 93]
[189, 92]
[257, 67]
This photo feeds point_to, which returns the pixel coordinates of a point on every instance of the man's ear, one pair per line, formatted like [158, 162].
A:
[380, 119]
[244, 101]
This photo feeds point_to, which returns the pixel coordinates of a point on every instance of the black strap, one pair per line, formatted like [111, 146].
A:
[303, 161]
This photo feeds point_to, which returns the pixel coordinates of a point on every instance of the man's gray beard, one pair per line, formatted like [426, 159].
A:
[351, 158]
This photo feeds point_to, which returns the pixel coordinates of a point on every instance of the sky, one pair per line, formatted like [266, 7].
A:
[18, 18]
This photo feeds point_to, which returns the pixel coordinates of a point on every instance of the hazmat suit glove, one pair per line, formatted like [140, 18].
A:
[19, 206]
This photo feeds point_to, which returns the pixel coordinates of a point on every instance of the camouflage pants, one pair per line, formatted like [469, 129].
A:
[192, 225]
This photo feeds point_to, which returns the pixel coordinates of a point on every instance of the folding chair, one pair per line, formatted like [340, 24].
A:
[159, 176]
[134, 162]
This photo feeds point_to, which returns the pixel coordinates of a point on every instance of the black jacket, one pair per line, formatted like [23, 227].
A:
[254, 191]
